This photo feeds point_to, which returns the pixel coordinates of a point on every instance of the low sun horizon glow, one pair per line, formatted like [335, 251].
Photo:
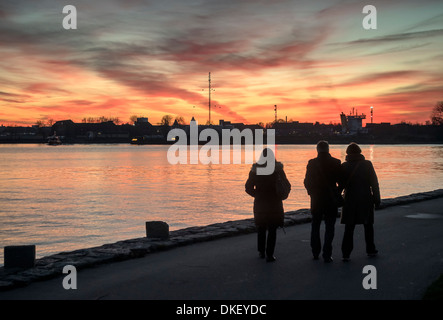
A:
[152, 58]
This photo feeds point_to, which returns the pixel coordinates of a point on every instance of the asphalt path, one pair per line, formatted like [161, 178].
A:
[409, 239]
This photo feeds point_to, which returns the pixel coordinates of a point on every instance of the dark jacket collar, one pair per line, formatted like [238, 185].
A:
[278, 166]
[323, 155]
[355, 157]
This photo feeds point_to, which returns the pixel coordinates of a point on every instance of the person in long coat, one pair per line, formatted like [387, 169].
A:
[361, 196]
[321, 179]
[268, 206]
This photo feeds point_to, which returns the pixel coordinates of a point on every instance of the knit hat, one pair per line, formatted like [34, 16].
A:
[353, 148]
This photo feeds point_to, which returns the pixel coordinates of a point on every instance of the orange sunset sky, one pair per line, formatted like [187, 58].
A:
[150, 58]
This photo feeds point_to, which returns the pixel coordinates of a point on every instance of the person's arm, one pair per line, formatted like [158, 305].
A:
[285, 178]
[308, 182]
[340, 177]
[373, 180]
[250, 185]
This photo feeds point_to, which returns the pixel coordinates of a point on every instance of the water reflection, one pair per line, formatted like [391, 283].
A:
[437, 153]
[370, 156]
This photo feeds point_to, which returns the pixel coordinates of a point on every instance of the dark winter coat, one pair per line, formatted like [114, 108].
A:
[268, 207]
[361, 190]
[321, 179]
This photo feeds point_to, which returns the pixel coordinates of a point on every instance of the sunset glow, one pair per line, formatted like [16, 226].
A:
[151, 58]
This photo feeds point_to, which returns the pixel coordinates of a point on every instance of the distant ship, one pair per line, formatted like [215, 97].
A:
[151, 139]
[54, 140]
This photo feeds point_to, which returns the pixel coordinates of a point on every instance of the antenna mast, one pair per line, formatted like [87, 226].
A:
[209, 103]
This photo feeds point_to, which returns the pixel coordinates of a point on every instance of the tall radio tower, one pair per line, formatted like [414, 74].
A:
[209, 100]
[209, 103]
[209, 94]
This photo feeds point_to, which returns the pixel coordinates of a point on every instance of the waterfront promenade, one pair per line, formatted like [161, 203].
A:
[408, 236]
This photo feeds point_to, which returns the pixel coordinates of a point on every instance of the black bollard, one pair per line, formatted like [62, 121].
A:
[19, 256]
[157, 229]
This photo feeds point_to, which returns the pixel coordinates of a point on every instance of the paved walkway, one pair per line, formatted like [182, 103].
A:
[409, 238]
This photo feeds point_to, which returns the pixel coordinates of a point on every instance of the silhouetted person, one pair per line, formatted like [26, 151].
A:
[322, 177]
[362, 193]
[268, 206]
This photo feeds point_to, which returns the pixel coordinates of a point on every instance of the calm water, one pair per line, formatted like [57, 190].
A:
[68, 197]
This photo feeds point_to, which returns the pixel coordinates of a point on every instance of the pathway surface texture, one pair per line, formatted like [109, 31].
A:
[409, 238]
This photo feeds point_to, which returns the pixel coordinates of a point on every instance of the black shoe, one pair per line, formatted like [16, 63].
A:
[261, 255]
[270, 259]
[315, 257]
[328, 259]
[373, 253]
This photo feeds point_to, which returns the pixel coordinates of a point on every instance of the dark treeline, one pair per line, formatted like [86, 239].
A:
[294, 132]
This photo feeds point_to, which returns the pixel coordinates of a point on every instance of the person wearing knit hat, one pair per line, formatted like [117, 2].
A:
[322, 176]
[362, 194]
[353, 148]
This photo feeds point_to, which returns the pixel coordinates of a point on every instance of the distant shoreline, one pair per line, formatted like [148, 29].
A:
[277, 142]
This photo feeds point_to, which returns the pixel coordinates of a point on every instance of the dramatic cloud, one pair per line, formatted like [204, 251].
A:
[314, 60]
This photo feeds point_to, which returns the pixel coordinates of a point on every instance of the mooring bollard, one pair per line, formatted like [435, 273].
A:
[157, 229]
[19, 256]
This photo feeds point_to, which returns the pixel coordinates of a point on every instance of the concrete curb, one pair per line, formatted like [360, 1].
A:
[52, 266]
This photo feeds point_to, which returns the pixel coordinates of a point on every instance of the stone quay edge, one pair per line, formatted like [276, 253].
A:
[52, 265]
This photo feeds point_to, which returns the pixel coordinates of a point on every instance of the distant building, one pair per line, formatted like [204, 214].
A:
[23, 134]
[352, 123]
[225, 124]
[141, 121]
[64, 128]
[108, 130]
[293, 128]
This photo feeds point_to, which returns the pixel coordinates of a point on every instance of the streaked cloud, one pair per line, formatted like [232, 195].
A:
[150, 58]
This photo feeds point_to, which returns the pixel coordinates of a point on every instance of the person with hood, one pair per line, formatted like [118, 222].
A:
[268, 204]
[321, 180]
[361, 195]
